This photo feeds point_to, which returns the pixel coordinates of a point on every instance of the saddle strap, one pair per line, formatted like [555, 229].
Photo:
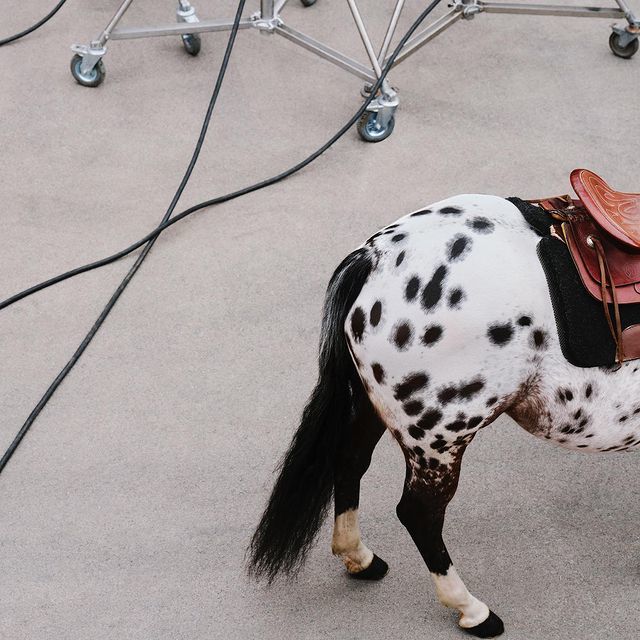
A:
[557, 205]
[605, 274]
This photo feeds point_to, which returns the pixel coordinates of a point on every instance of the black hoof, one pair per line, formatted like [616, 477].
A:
[377, 570]
[490, 628]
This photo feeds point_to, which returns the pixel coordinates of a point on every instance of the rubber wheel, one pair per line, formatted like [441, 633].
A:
[192, 43]
[91, 79]
[370, 130]
[308, 3]
[622, 52]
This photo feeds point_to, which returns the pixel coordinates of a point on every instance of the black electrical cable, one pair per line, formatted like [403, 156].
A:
[214, 201]
[166, 222]
[33, 27]
[122, 286]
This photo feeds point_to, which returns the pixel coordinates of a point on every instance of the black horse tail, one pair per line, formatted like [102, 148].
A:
[300, 498]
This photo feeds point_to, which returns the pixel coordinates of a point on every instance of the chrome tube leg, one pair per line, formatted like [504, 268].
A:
[366, 90]
[384, 105]
[117, 16]
[267, 9]
[355, 12]
[390, 31]
[628, 14]
[267, 18]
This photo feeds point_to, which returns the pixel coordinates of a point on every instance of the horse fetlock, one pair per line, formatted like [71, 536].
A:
[346, 542]
[473, 613]
[453, 593]
[354, 559]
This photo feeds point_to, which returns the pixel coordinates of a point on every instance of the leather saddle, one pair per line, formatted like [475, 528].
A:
[601, 228]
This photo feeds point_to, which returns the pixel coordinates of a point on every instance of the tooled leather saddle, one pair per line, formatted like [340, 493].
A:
[601, 229]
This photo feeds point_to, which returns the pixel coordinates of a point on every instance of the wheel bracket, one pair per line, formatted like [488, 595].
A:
[90, 55]
[626, 35]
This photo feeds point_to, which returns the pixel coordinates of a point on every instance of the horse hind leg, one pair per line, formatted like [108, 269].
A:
[429, 486]
[354, 456]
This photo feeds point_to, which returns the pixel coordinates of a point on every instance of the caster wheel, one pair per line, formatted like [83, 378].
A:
[192, 43]
[91, 79]
[308, 3]
[370, 129]
[627, 51]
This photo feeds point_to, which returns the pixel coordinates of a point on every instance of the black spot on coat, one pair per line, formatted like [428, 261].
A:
[454, 211]
[457, 425]
[447, 394]
[431, 335]
[539, 338]
[378, 372]
[456, 296]
[376, 313]
[416, 432]
[565, 395]
[402, 335]
[410, 384]
[358, 322]
[500, 334]
[413, 407]
[412, 288]
[480, 224]
[432, 292]
[429, 419]
[458, 248]
[469, 390]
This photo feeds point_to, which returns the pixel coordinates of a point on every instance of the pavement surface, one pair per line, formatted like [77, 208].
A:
[127, 509]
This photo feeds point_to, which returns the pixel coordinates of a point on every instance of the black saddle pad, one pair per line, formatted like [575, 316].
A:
[583, 331]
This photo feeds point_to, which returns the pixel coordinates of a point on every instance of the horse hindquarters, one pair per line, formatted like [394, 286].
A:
[443, 341]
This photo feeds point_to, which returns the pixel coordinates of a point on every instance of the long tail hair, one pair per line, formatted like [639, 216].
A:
[300, 498]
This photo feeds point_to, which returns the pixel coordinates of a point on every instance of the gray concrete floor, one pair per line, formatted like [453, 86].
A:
[126, 511]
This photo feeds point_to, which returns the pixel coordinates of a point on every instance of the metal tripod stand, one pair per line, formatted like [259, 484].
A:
[377, 123]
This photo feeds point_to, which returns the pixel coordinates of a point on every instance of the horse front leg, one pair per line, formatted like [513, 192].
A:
[429, 486]
[354, 457]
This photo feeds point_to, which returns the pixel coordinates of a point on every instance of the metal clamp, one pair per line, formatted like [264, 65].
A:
[267, 25]
[468, 8]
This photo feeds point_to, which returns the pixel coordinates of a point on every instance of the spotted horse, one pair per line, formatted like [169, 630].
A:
[428, 332]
